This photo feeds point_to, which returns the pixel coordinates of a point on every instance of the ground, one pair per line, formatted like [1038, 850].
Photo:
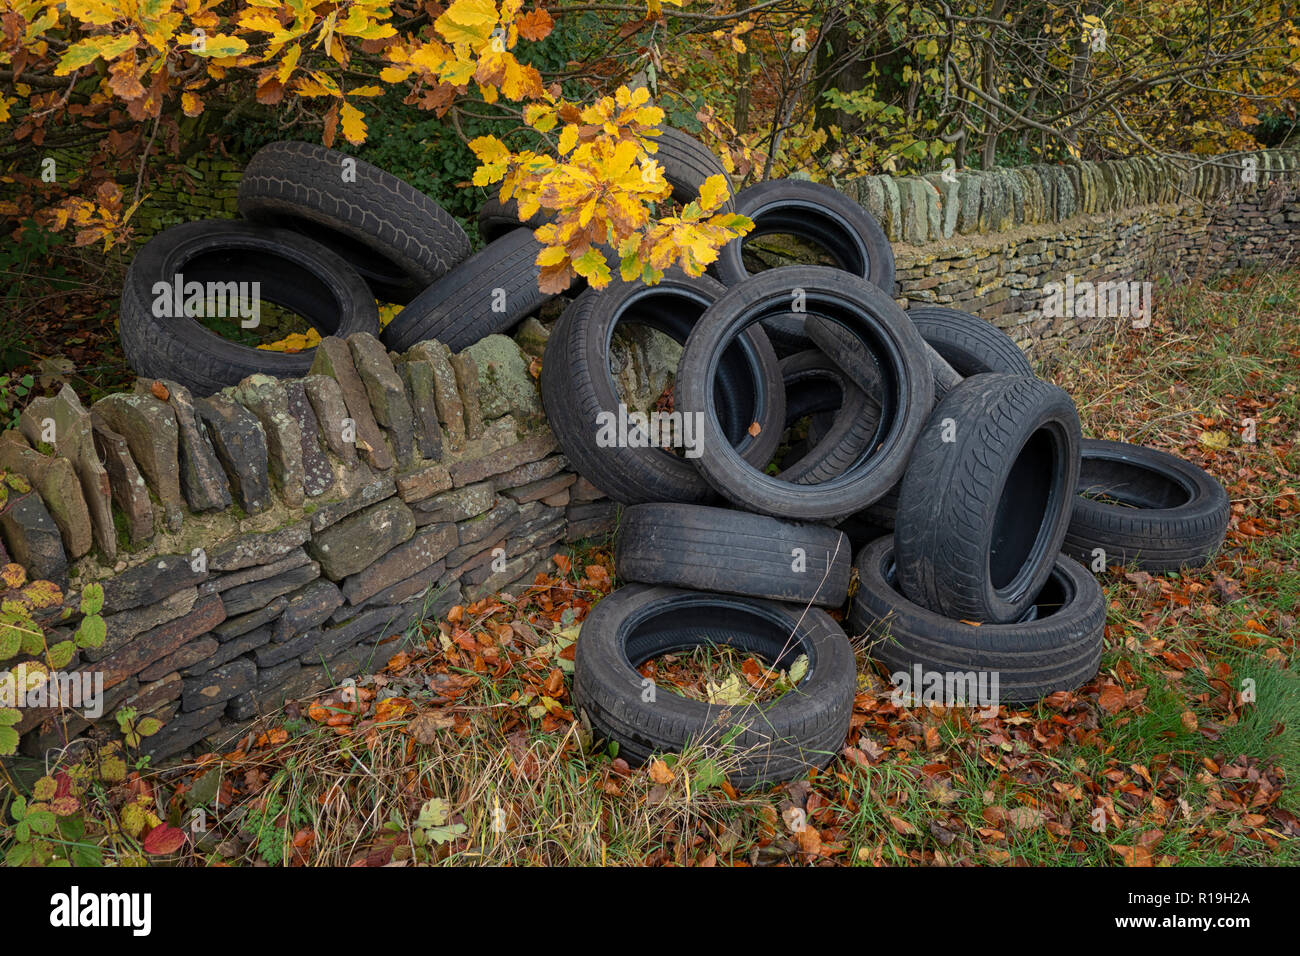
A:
[1183, 750]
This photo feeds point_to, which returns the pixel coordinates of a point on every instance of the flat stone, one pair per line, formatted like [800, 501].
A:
[259, 572]
[530, 472]
[512, 456]
[466, 372]
[203, 482]
[229, 650]
[504, 385]
[125, 625]
[397, 593]
[308, 607]
[265, 397]
[181, 732]
[243, 624]
[424, 482]
[240, 443]
[33, 539]
[126, 485]
[417, 377]
[446, 396]
[257, 594]
[150, 582]
[258, 548]
[538, 537]
[459, 504]
[584, 490]
[387, 394]
[317, 475]
[67, 423]
[154, 692]
[334, 358]
[218, 685]
[188, 654]
[326, 399]
[149, 427]
[411, 557]
[333, 512]
[531, 337]
[360, 539]
[135, 653]
[536, 490]
[489, 524]
[57, 483]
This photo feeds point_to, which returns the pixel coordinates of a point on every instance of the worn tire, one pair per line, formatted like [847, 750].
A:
[1059, 649]
[497, 218]
[295, 272]
[1173, 514]
[458, 309]
[714, 549]
[755, 744]
[905, 398]
[982, 516]
[968, 343]
[818, 214]
[397, 238]
[576, 388]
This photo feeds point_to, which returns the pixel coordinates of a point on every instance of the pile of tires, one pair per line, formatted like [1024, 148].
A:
[810, 417]
[818, 417]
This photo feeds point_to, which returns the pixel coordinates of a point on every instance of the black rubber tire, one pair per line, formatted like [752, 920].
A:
[397, 238]
[839, 411]
[295, 272]
[686, 163]
[907, 388]
[576, 388]
[818, 214]
[1174, 514]
[982, 516]
[497, 218]
[457, 310]
[753, 744]
[714, 549]
[968, 343]
[1060, 649]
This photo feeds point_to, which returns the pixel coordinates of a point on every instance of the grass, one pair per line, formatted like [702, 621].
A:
[465, 748]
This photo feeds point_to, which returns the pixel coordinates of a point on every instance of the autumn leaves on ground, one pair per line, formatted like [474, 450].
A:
[464, 748]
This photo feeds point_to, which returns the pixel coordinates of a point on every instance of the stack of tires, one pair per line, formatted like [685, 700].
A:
[813, 410]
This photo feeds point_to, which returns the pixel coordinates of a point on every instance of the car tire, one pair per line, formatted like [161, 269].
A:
[1168, 513]
[1058, 649]
[294, 272]
[755, 744]
[986, 498]
[577, 389]
[714, 549]
[397, 238]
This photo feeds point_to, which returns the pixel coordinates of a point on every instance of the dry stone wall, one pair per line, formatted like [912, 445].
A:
[256, 544]
[994, 242]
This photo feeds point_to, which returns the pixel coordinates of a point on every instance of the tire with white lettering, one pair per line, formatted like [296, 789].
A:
[291, 270]
[906, 391]
[583, 405]
[715, 549]
[492, 291]
[1056, 647]
[753, 744]
[1145, 508]
[987, 496]
[397, 238]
